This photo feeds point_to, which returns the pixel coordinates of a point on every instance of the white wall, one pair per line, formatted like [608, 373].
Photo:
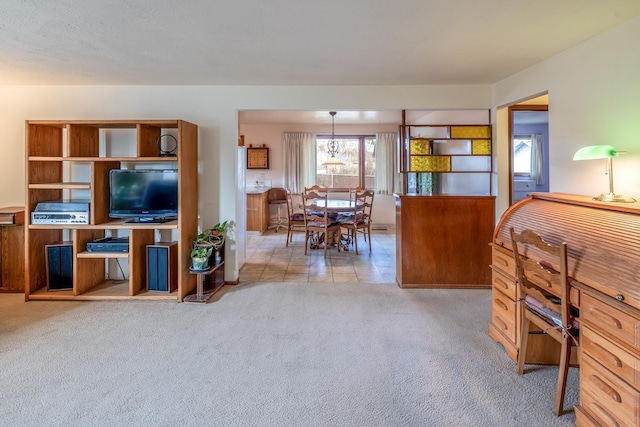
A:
[594, 95]
[384, 207]
[214, 109]
[594, 98]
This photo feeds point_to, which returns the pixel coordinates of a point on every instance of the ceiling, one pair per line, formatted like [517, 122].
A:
[291, 42]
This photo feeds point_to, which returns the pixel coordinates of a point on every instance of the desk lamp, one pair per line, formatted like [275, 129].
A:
[603, 152]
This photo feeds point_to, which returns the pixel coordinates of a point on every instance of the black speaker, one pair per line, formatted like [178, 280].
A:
[59, 265]
[162, 266]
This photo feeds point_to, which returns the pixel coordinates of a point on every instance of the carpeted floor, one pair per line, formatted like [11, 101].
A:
[269, 354]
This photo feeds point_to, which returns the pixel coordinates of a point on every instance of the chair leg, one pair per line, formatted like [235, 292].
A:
[524, 337]
[306, 241]
[368, 233]
[355, 238]
[563, 372]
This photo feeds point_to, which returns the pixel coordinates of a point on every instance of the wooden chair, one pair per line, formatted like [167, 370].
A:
[318, 221]
[316, 188]
[359, 221]
[295, 220]
[544, 298]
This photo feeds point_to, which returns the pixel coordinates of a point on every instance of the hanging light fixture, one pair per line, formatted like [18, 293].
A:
[332, 146]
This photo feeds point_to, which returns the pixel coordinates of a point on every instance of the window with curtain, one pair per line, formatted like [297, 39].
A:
[528, 157]
[369, 162]
[299, 160]
[357, 152]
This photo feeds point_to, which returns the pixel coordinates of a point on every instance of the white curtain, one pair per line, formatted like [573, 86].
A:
[537, 164]
[386, 149]
[299, 161]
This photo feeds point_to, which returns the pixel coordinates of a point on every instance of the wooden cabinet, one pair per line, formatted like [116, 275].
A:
[610, 369]
[12, 249]
[258, 216]
[70, 160]
[603, 268]
[443, 241]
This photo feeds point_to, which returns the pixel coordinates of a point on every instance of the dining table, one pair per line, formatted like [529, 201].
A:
[336, 206]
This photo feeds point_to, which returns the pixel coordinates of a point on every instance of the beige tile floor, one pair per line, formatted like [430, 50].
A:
[269, 260]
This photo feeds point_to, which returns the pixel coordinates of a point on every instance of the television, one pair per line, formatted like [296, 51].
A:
[143, 195]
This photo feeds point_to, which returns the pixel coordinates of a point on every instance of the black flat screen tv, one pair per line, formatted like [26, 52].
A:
[143, 195]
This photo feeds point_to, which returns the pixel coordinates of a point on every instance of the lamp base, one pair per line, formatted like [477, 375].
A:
[614, 198]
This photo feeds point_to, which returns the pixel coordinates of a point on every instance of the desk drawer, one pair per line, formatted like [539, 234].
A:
[503, 283]
[608, 399]
[503, 314]
[615, 359]
[610, 320]
[503, 261]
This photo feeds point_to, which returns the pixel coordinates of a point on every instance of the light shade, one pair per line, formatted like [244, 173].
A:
[595, 152]
[332, 161]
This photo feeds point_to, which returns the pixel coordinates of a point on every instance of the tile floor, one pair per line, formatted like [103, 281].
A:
[269, 260]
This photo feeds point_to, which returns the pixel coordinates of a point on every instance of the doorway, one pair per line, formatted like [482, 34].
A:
[528, 148]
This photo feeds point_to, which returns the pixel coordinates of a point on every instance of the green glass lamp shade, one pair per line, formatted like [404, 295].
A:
[595, 152]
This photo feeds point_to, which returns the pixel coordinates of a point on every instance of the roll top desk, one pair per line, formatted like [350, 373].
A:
[603, 242]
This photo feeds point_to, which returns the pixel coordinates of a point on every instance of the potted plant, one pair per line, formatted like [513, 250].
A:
[205, 243]
[200, 257]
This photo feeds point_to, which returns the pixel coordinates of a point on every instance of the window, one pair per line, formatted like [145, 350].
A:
[358, 154]
[522, 155]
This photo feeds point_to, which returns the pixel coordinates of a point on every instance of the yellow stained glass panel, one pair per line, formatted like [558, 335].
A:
[470, 132]
[481, 147]
[430, 163]
[419, 146]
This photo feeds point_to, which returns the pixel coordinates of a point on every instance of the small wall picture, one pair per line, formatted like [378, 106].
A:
[258, 158]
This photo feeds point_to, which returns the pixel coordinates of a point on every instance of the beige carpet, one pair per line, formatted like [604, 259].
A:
[269, 354]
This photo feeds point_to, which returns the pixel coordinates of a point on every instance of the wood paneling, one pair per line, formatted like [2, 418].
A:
[443, 241]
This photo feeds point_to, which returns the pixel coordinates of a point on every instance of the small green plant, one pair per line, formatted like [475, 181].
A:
[201, 252]
[213, 236]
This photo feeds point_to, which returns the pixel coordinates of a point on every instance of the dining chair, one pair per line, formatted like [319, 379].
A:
[316, 188]
[544, 298]
[359, 221]
[318, 221]
[295, 220]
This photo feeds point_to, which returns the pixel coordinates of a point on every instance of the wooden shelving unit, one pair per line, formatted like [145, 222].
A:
[71, 160]
[446, 159]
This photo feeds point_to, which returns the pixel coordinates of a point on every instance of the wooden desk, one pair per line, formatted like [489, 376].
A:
[12, 249]
[603, 241]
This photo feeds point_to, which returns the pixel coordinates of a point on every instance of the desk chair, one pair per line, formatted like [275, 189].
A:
[277, 196]
[544, 298]
[317, 219]
[294, 219]
[359, 221]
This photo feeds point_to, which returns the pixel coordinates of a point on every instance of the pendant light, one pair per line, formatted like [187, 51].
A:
[332, 146]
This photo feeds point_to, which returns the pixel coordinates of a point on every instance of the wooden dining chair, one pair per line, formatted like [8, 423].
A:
[318, 221]
[317, 188]
[359, 221]
[295, 220]
[544, 298]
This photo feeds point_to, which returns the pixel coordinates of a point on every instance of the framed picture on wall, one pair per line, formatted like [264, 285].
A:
[258, 158]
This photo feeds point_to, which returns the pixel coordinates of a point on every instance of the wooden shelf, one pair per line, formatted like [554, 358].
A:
[103, 159]
[57, 148]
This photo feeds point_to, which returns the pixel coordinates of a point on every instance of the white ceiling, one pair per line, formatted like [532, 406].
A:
[291, 42]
